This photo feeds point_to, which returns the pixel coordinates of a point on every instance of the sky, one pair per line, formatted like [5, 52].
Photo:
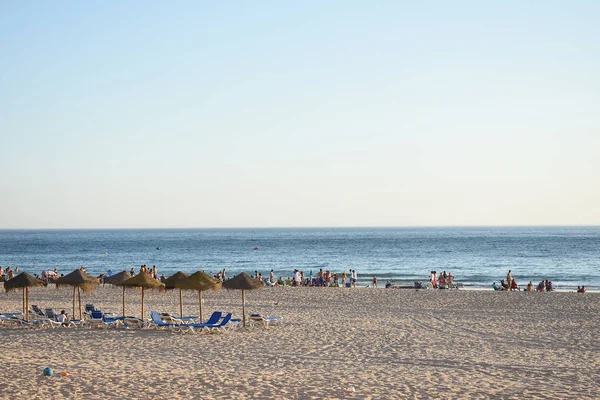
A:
[292, 114]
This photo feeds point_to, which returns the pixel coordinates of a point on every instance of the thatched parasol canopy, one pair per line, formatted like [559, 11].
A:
[80, 280]
[172, 281]
[244, 282]
[24, 281]
[144, 281]
[201, 282]
[117, 278]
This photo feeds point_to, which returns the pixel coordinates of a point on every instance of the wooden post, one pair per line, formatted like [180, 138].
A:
[200, 302]
[142, 303]
[26, 303]
[79, 298]
[73, 316]
[123, 300]
[23, 307]
[243, 308]
[180, 304]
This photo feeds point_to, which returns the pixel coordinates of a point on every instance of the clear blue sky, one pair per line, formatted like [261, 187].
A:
[335, 113]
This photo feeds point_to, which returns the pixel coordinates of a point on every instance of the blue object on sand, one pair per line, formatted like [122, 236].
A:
[48, 371]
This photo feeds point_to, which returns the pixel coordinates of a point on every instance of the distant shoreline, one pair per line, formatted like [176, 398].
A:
[298, 228]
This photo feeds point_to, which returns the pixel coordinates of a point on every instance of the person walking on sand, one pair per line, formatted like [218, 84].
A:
[375, 281]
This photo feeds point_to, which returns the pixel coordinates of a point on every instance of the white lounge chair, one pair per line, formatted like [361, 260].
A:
[257, 318]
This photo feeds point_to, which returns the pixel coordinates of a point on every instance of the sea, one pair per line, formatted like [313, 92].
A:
[477, 257]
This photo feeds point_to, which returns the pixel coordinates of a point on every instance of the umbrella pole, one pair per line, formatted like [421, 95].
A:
[180, 304]
[200, 296]
[142, 303]
[73, 301]
[23, 307]
[123, 300]
[244, 308]
[79, 298]
[27, 303]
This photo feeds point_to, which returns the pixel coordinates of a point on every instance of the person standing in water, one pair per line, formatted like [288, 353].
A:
[375, 281]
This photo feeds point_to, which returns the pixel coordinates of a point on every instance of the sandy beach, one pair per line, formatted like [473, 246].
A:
[335, 344]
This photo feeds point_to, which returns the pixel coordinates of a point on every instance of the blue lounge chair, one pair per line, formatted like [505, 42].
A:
[221, 325]
[51, 318]
[16, 321]
[37, 312]
[12, 315]
[89, 308]
[40, 319]
[99, 320]
[112, 322]
[185, 319]
[214, 318]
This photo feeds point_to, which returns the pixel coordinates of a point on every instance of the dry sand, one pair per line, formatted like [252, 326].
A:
[384, 343]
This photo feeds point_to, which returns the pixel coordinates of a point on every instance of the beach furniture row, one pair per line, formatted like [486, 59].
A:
[94, 318]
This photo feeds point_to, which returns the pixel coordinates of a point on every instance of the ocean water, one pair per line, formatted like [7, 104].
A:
[568, 256]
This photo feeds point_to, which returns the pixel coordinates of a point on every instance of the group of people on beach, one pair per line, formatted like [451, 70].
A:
[152, 272]
[441, 281]
[323, 279]
[509, 284]
[7, 274]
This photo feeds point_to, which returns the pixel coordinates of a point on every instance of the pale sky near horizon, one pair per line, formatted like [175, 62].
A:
[263, 114]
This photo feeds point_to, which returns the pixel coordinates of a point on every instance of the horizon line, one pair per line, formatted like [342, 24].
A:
[306, 227]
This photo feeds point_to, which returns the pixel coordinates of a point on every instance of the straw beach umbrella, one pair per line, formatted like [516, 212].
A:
[24, 281]
[201, 282]
[116, 280]
[144, 281]
[244, 282]
[80, 281]
[171, 282]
